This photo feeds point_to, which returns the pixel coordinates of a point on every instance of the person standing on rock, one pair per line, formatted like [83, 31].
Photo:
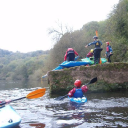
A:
[97, 49]
[109, 52]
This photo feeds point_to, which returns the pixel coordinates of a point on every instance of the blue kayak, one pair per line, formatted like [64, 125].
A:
[68, 64]
[63, 63]
[8, 117]
[78, 100]
[62, 67]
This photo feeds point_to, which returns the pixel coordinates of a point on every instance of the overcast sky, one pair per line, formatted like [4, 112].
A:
[24, 24]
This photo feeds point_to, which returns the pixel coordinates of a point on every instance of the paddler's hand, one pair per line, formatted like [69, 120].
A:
[86, 46]
[7, 101]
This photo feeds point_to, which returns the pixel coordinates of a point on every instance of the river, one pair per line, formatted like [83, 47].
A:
[102, 110]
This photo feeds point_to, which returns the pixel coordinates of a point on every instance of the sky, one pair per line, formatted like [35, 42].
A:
[24, 24]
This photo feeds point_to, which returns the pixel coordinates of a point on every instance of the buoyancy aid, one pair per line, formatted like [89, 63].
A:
[97, 44]
[78, 93]
[70, 52]
[107, 49]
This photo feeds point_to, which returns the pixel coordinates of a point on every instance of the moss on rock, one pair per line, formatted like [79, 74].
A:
[111, 77]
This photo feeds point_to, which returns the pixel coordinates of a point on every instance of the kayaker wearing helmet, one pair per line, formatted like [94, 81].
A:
[78, 91]
[97, 49]
[109, 52]
[70, 54]
[90, 54]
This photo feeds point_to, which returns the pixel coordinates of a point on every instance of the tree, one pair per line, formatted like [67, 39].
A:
[59, 31]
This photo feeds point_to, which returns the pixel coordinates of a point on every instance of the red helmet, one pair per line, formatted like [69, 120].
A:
[107, 43]
[77, 83]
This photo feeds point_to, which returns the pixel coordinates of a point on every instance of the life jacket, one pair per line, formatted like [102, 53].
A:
[107, 49]
[78, 93]
[97, 44]
[70, 52]
[89, 54]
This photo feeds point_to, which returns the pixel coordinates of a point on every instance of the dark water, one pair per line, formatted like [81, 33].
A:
[102, 110]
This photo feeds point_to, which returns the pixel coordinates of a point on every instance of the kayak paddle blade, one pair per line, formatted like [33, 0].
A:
[36, 94]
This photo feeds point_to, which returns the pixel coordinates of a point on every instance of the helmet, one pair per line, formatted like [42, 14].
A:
[107, 43]
[91, 50]
[70, 49]
[95, 37]
[77, 83]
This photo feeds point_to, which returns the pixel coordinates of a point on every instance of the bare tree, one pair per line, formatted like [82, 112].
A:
[59, 31]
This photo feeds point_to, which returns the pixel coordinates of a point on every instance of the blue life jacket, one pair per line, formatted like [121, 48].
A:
[97, 44]
[78, 93]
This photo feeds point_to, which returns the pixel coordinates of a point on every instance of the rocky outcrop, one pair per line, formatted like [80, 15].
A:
[110, 77]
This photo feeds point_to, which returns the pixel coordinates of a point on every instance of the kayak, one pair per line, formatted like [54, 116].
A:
[61, 66]
[8, 117]
[78, 100]
[68, 64]
[91, 60]
[57, 68]
[64, 63]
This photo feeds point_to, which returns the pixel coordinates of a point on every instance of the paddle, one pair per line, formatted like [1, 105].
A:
[62, 97]
[32, 95]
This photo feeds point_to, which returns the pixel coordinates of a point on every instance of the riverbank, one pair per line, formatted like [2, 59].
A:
[111, 77]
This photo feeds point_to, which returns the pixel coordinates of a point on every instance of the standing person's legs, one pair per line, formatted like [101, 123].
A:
[109, 60]
[97, 55]
[99, 52]
[108, 57]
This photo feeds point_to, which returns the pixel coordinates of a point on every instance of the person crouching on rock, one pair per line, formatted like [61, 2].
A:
[78, 91]
[70, 54]
[90, 54]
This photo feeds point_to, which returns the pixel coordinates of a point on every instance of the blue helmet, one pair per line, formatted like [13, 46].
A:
[95, 37]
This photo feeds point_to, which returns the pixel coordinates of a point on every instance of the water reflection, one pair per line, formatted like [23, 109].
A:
[38, 125]
[6, 85]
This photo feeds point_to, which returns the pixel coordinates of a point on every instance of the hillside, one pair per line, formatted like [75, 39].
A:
[20, 66]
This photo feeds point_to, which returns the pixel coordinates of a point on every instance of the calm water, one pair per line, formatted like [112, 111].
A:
[103, 110]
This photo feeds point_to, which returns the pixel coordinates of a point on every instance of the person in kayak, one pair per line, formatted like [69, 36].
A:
[78, 91]
[90, 54]
[70, 54]
[109, 52]
[97, 49]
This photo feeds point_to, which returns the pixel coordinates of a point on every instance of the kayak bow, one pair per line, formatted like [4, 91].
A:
[8, 117]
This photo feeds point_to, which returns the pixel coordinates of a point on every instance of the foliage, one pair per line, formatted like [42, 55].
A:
[117, 31]
[22, 65]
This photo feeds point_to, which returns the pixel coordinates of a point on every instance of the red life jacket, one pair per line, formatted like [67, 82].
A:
[107, 49]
